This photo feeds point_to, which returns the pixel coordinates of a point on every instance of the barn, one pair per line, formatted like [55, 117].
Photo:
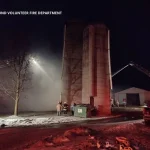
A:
[133, 96]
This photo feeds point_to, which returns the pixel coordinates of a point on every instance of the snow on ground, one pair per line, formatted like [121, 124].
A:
[12, 121]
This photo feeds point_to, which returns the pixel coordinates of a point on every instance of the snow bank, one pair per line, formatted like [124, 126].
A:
[40, 120]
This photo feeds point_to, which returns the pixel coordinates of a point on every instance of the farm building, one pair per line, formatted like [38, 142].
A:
[133, 96]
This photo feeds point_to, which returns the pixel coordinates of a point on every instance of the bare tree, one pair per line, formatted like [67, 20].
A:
[18, 74]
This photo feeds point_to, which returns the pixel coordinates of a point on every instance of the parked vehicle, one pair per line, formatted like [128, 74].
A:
[146, 113]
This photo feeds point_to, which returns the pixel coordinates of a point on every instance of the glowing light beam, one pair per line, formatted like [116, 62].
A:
[39, 66]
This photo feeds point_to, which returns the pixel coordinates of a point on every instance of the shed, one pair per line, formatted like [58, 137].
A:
[133, 96]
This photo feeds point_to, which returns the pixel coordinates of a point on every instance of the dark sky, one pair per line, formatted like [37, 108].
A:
[128, 21]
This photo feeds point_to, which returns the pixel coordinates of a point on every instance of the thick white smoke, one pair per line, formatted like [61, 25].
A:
[44, 88]
[46, 85]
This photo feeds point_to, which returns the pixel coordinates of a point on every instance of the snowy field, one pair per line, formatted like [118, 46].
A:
[13, 121]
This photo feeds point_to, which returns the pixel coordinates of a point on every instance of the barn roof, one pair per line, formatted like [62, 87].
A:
[133, 88]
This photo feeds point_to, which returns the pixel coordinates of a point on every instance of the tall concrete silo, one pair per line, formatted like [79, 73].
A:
[72, 62]
[96, 72]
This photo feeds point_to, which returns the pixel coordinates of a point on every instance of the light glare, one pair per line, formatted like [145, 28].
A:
[40, 68]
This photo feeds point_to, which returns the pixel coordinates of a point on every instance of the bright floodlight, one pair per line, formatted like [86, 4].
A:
[36, 64]
[33, 60]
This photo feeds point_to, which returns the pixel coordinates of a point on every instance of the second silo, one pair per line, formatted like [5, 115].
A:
[96, 68]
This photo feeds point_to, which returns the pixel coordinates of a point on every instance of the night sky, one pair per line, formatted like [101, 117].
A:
[128, 21]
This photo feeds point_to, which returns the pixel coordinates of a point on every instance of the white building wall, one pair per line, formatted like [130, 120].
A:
[143, 95]
[142, 98]
[120, 97]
